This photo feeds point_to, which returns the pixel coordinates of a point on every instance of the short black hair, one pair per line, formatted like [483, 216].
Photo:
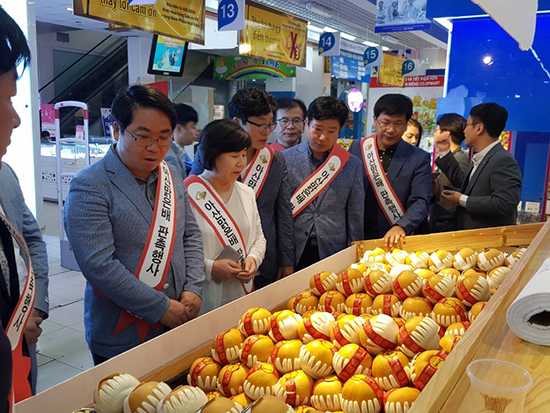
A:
[417, 125]
[394, 104]
[219, 137]
[493, 117]
[290, 103]
[44, 134]
[185, 114]
[251, 102]
[134, 97]
[453, 123]
[327, 107]
[14, 48]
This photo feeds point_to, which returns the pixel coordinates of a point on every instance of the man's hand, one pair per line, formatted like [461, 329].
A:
[33, 329]
[452, 196]
[443, 141]
[284, 271]
[175, 315]
[225, 269]
[192, 303]
[393, 236]
[249, 270]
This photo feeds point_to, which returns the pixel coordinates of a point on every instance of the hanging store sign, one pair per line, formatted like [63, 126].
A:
[349, 64]
[391, 71]
[274, 35]
[410, 67]
[373, 56]
[181, 19]
[244, 67]
[329, 44]
[231, 15]
[401, 16]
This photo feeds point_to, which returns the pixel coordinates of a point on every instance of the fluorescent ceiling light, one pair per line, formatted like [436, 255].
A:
[314, 28]
[371, 44]
[69, 9]
[384, 48]
[329, 29]
[348, 36]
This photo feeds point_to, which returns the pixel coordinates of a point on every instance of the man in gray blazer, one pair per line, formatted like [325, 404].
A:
[490, 188]
[335, 218]
[108, 216]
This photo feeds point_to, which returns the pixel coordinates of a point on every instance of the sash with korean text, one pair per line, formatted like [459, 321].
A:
[277, 146]
[255, 174]
[20, 388]
[385, 195]
[319, 180]
[155, 258]
[209, 205]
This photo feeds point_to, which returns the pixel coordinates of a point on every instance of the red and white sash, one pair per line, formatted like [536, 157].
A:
[20, 388]
[385, 195]
[155, 257]
[277, 146]
[255, 174]
[319, 180]
[209, 205]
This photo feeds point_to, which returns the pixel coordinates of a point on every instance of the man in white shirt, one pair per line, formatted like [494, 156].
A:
[490, 188]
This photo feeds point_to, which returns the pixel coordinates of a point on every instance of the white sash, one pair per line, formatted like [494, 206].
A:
[319, 180]
[16, 327]
[218, 217]
[388, 201]
[256, 172]
[155, 258]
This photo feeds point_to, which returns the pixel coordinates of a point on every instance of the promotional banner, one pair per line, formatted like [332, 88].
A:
[401, 16]
[374, 56]
[349, 64]
[47, 117]
[274, 35]
[391, 71]
[244, 67]
[231, 15]
[182, 19]
[107, 122]
[329, 44]
[519, 19]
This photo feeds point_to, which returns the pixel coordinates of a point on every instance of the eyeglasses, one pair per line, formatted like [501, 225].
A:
[387, 125]
[296, 122]
[145, 141]
[471, 124]
[264, 128]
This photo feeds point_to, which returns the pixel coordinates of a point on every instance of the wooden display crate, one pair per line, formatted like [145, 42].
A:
[170, 355]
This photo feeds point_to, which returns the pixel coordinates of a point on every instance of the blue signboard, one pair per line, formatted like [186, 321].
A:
[463, 8]
[231, 15]
[401, 16]
[350, 64]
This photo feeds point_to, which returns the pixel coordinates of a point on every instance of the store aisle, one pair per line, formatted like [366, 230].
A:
[62, 349]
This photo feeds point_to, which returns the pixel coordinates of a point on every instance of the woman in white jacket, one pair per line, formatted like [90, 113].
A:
[227, 215]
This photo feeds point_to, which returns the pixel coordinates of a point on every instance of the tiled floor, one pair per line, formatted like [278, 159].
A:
[62, 349]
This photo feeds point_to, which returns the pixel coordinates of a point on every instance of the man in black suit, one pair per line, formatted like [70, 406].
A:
[490, 188]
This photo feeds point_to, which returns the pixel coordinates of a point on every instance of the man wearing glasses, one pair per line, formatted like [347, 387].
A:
[291, 117]
[396, 175]
[490, 188]
[266, 174]
[133, 233]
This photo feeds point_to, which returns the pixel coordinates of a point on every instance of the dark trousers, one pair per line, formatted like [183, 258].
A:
[310, 255]
[99, 359]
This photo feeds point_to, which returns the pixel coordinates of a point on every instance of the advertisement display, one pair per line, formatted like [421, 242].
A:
[423, 91]
[107, 122]
[391, 71]
[182, 19]
[274, 35]
[47, 119]
[349, 64]
[167, 56]
[401, 16]
[244, 67]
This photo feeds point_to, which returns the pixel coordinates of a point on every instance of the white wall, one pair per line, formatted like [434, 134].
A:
[311, 85]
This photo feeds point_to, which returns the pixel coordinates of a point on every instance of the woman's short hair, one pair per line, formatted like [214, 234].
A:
[219, 137]
[413, 122]
[134, 97]
[251, 102]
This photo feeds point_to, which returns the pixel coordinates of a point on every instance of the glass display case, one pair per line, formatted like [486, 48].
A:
[72, 160]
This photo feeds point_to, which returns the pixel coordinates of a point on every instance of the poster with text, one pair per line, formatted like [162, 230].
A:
[349, 65]
[180, 19]
[274, 35]
[401, 16]
[391, 71]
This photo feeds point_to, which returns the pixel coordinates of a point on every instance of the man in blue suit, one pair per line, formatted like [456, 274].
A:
[400, 173]
[120, 217]
[325, 180]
